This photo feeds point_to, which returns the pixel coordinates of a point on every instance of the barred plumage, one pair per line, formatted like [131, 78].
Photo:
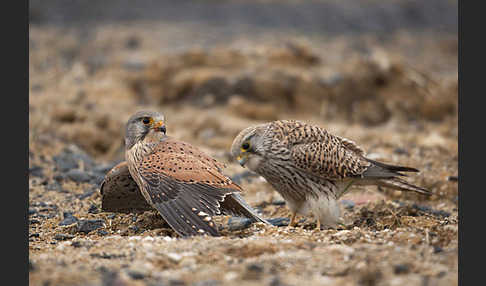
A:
[312, 168]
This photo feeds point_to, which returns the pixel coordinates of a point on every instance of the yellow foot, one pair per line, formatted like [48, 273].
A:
[292, 220]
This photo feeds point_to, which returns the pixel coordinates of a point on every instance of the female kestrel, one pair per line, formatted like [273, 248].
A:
[312, 168]
[185, 185]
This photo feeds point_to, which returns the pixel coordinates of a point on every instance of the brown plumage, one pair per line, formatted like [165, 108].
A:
[312, 168]
[185, 185]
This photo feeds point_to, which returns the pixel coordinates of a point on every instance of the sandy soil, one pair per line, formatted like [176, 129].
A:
[396, 98]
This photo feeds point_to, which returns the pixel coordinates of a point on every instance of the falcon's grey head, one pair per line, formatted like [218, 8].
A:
[248, 147]
[141, 124]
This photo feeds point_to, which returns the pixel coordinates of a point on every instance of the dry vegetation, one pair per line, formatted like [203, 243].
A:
[398, 100]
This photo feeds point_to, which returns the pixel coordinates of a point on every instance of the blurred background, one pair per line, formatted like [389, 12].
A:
[92, 64]
[382, 73]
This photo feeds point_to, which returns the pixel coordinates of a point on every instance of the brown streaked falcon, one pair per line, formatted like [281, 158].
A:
[312, 168]
[185, 185]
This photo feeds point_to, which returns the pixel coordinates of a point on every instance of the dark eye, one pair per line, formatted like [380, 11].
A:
[146, 120]
[245, 146]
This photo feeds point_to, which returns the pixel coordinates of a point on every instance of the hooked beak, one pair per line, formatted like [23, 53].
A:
[242, 158]
[159, 126]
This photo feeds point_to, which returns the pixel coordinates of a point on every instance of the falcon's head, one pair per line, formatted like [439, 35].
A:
[144, 123]
[248, 147]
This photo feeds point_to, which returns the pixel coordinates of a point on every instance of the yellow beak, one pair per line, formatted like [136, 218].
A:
[159, 126]
[242, 158]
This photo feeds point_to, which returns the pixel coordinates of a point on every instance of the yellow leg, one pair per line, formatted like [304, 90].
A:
[318, 226]
[292, 219]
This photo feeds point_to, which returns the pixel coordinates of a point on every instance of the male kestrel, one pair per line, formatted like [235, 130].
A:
[185, 185]
[312, 168]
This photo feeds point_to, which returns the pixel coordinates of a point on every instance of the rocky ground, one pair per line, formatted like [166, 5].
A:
[396, 97]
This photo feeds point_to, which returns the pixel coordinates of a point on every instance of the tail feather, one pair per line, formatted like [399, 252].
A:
[393, 168]
[399, 184]
[235, 205]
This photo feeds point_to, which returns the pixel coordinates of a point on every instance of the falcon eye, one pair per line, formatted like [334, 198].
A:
[146, 120]
[245, 146]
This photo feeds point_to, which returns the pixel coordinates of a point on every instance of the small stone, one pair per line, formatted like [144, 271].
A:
[453, 178]
[102, 232]
[136, 275]
[54, 186]
[401, 151]
[89, 225]
[78, 176]
[348, 204]
[111, 216]
[32, 211]
[63, 236]
[34, 235]
[278, 202]
[207, 283]
[401, 268]
[238, 223]
[93, 209]
[437, 249]
[132, 43]
[34, 221]
[279, 221]
[36, 171]
[68, 219]
[70, 158]
[175, 282]
[86, 194]
[59, 177]
[253, 271]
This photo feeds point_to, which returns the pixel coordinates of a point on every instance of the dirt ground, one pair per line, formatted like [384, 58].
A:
[397, 98]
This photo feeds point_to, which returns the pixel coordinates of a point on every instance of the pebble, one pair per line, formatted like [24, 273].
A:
[102, 232]
[175, 282]
[68, 219]
[89, 225]
[36, 171]
[279, 221]
[453, 178]
[238, 223]
[278, 202]
[254, 271]
[437, 249]
[207, 283]
[348, 204]
[93, 209]
[70, 157]
[134, 274]
[54, 186]
[429, 210]
[63, 236]
[401, 151]
[86, 194]
[79, 176]
[401, 268]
